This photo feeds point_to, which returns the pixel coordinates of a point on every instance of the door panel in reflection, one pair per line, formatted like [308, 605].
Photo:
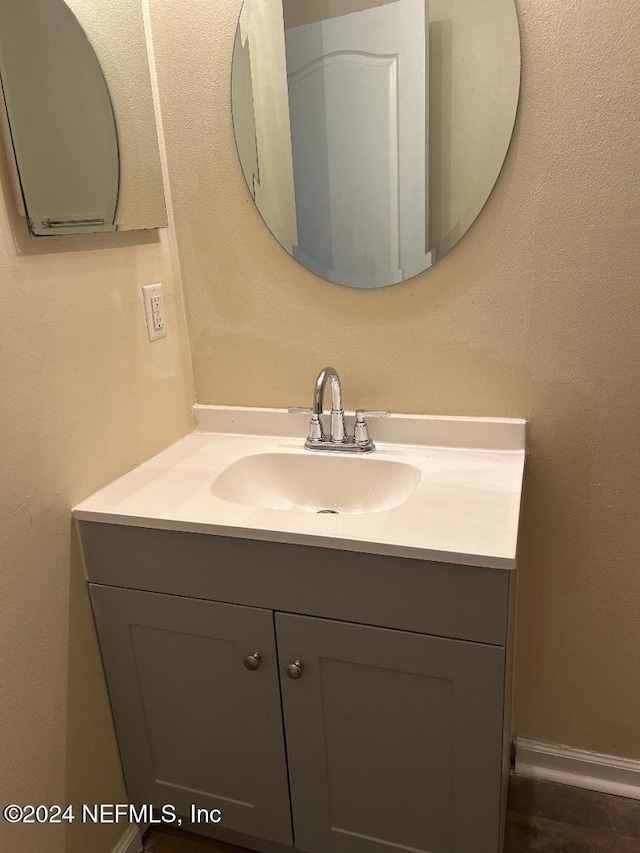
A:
[360, 197]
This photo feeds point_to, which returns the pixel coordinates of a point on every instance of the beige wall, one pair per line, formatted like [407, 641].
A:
[534, 313]
[84, 397]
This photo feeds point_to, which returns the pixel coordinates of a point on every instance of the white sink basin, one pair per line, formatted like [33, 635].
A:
[349, 485]
[435, 488]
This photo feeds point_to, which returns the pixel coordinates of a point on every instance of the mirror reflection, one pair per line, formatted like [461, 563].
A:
[371, 132]
[79, 115]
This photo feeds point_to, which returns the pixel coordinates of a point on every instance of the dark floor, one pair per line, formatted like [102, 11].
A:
[542, 817]
[545, 817]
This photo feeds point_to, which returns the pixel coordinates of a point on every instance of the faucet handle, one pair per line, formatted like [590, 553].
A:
[361, 433]
[316, 431]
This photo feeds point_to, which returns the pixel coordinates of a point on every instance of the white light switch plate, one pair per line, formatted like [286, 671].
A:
[154, 310]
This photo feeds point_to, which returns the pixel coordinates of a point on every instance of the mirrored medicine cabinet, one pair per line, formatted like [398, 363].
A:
[371, 132]
[78, 116]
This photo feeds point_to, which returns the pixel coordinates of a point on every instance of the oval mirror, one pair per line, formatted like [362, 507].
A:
[371, 132]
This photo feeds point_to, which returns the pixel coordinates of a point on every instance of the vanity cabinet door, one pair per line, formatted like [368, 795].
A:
[194, 724]
[394, 739]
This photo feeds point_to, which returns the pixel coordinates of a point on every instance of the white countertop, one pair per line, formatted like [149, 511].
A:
[465, 510]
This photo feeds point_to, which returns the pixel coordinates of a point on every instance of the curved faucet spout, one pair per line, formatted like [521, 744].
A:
[330, 374]
[327, 374]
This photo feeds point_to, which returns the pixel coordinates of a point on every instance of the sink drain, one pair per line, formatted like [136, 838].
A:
[327, 512]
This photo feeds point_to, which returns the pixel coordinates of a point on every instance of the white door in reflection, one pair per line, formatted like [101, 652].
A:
[361, 192]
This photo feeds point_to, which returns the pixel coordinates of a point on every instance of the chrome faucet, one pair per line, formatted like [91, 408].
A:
[317, 439]
[338, 428]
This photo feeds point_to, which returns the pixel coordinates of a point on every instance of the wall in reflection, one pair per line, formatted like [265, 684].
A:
[261, 116]
[116, 30]
[297, 14]
[81, 118]
[473, 61]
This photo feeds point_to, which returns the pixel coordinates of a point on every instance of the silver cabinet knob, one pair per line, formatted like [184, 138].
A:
[252, 662]
[294, 670]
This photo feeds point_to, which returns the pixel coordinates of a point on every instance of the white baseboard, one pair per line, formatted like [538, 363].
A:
[131, 841]
[582, 769]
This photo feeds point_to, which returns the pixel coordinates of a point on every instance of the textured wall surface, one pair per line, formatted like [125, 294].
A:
[534, 313]
[85, 397]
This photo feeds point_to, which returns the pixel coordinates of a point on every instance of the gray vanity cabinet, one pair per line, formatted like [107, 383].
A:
[377, 720]
[394, 739]
[194, 725]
